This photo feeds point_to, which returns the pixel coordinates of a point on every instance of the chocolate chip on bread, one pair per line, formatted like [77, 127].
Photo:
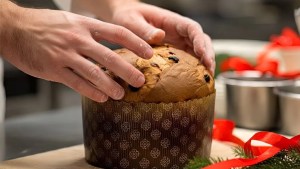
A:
[171, 75]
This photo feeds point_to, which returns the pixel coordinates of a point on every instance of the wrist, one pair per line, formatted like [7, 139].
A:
[115, 5]
[101, 9]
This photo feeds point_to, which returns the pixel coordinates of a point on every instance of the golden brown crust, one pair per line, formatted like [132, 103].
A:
[171, 75]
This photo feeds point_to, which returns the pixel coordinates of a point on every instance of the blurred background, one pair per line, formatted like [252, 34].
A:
[221, 19]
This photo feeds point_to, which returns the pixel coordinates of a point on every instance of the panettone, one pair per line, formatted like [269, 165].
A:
[171, 75]
[162, 124]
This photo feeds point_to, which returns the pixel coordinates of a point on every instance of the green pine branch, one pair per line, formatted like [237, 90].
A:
[198, 162]
[239, 152]
[285, 159]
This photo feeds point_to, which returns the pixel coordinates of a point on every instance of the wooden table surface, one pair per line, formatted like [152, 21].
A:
[73, 157]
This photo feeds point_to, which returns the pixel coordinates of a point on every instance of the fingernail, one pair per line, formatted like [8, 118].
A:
[103, 99]
[119, 94]
[152, 33]
[140, 81]
[212, 71]
[148, 53]
[213, 67]
[201, 58]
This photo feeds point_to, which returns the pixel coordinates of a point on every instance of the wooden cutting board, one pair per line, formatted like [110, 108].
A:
[73, 158]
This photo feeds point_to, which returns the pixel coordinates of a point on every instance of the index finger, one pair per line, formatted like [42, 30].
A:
[193, 31]
[119, 35]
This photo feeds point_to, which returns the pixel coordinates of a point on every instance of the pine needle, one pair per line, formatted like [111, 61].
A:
[198, 162]
[285, 159]
[239, 152]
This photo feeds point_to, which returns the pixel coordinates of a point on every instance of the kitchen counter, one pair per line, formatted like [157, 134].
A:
[73, 157]
[36, 133]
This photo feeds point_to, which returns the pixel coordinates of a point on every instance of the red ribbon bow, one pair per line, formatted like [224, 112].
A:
[264, 63]
[223, 131]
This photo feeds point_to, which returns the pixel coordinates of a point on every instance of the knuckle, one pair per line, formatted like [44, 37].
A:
[193, 27]
[207, 37]
[83, 21]
[78, 85]
[192, 23]
[111, 90]
[72, 38]
[94, 73]
[58, 75]
[115, 92]
[109, 58]
[126, 22]
[120, 34]
[99, 96]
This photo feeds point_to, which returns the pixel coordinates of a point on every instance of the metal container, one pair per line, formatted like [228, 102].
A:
[250, 99]
[289, 101]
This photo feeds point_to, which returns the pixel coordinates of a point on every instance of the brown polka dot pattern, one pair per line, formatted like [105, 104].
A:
[122, 135]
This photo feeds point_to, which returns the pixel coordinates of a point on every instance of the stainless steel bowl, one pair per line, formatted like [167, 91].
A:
[289, 101]
[250, 99]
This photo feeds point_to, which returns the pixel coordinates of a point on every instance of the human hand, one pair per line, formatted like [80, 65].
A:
[58, 46]
[157, 25]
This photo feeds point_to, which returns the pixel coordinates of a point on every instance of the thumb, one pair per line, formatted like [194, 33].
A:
[146, 31]
[154, 35]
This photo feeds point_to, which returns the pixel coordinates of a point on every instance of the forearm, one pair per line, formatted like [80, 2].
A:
[10, 16]
[4, 9]
[102, 9]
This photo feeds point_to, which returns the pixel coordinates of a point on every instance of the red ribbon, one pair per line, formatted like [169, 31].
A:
[287, 38]
[264, 64]
[223, 131]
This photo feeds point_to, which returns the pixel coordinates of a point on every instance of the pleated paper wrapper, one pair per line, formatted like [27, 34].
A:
[121, 135]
